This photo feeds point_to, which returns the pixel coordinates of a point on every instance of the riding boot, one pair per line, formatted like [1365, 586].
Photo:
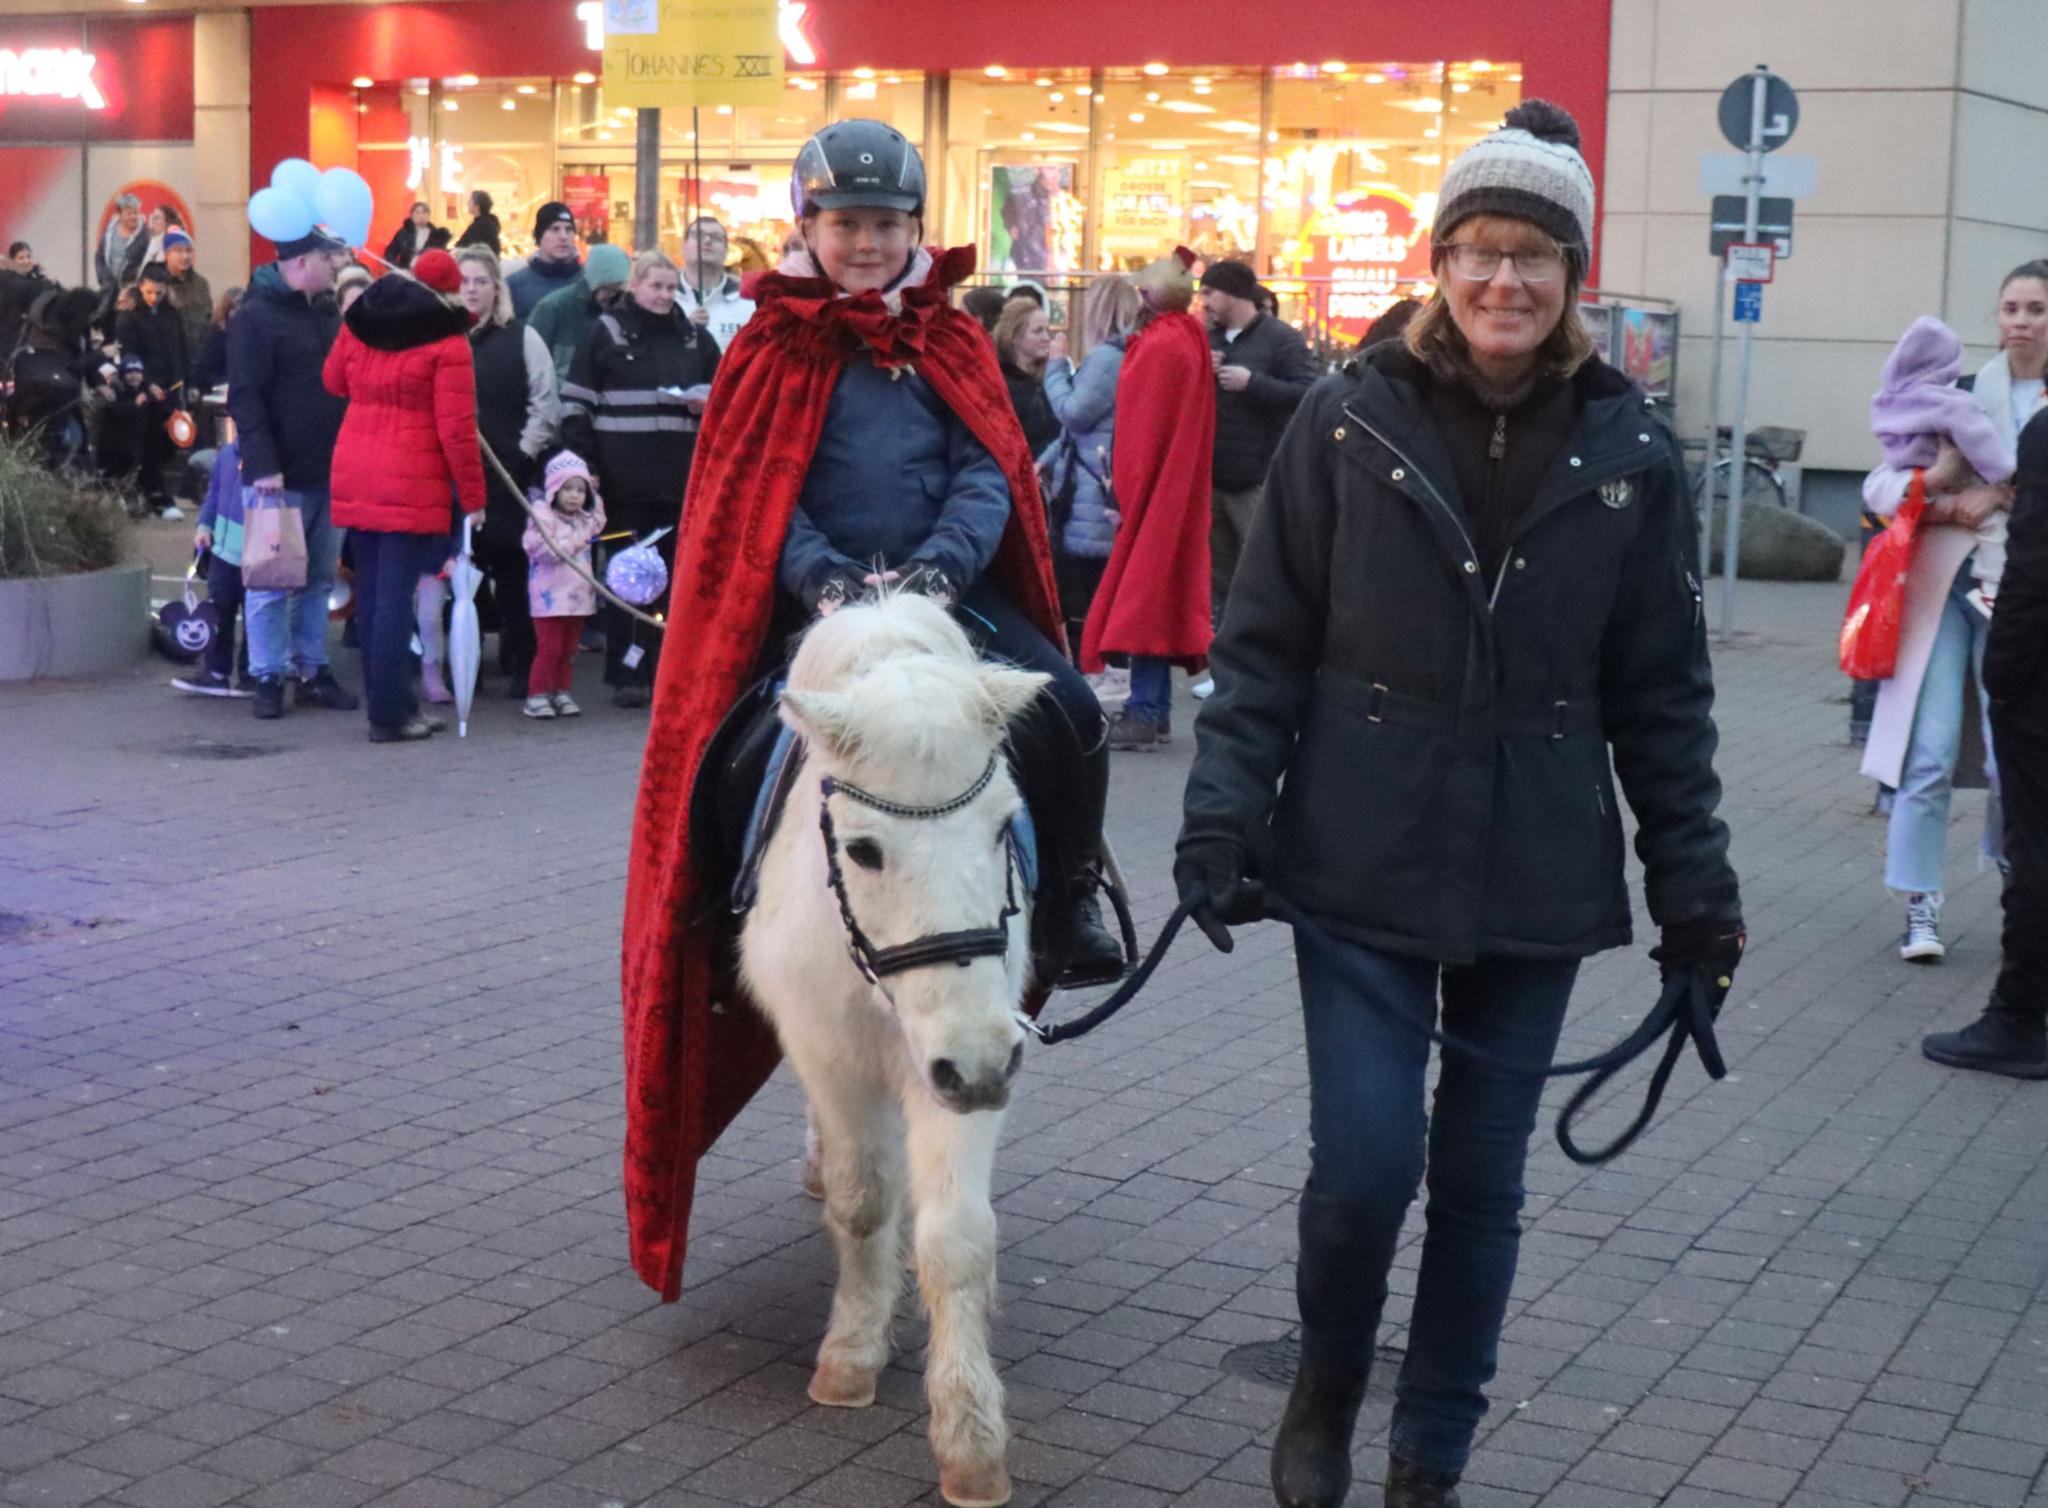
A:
[1088, 952]
[1312, 1452]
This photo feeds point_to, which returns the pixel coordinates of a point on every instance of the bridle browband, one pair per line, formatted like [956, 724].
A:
[958, 948]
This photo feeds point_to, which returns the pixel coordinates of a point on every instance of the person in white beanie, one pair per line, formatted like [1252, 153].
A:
[1470, 583]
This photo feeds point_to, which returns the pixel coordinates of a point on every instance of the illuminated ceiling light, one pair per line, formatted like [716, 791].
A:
[583, 78]
[863, 73]
[1333, 67]
[1236, 127]
[604, 136]
[1461, 88]
[527, 89]
[807, 85]
[1201, 81]
[509, 103]
[1188, 107]
[1043, 83]
[1271, 136]
[1056, 97]
[1151, 96]
[1027, 136]
[1422, 105]
[723, 110]
[996, 71]
[450, 106]
[1203, 167]
[1433, 133]
[359, 82]
[465, 81]
[1478, 65]
[1083, 90]
[1375, 78]
[1154, 70]
[894, 78]
[1064, 127]
[1427, 159]
[1514, 78]
[421, 91]
[1202, 89]
[1137, 117]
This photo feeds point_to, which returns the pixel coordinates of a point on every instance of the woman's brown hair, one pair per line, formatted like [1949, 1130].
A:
[1017, 313]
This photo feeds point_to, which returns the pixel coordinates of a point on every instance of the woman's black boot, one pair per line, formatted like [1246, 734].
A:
[1412, 1486]
[1312, 1452]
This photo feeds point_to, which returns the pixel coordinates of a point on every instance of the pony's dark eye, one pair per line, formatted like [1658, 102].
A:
[865, 852]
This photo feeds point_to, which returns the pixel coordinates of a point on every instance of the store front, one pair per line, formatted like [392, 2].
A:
[1081, 144]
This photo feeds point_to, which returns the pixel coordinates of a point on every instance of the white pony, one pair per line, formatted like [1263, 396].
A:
[890, 947]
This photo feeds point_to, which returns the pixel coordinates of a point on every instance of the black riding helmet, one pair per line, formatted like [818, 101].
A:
[858, 164]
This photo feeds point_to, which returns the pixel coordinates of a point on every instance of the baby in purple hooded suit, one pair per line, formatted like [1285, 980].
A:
[1920, 406]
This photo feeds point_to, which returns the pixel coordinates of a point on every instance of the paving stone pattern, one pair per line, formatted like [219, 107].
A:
[309, 1136]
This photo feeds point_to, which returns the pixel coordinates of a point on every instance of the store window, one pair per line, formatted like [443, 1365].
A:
[1355, 157]
[1178, 165]
[738, 172]
[1016, 174]
[492, 135]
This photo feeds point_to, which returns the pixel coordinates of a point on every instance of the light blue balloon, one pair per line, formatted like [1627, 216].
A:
[345, 204]
[297, 177]
[279, 216]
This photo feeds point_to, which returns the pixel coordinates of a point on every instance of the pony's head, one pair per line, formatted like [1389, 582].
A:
[892, 702]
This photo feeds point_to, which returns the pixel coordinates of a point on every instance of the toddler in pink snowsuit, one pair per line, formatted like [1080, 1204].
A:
[1920, 406]
[560, 593]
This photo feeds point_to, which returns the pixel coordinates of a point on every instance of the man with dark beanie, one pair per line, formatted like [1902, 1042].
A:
[1263, 369]
[554, 263]
[2011, 1037]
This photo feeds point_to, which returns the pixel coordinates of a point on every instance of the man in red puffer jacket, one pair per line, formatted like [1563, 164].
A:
[406, 456]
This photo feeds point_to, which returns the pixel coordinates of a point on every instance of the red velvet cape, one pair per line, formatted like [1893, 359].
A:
[1154, 597]
[690, 1069]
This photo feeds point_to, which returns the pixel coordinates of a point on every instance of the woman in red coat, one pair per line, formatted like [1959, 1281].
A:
[1153, 604]
[407, 452]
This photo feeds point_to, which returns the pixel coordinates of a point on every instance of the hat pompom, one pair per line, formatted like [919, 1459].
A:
[438, 271]
[1544, 121]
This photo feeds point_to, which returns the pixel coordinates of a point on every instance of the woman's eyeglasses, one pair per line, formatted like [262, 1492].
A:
[1478, 264]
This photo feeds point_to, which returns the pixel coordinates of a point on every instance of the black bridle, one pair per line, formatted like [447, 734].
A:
[958, 948]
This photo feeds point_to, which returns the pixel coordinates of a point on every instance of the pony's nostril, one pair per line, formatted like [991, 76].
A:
[1016, 1061]
[946, 1077]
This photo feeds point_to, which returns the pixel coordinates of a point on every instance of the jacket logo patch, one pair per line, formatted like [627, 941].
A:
[1617, 494]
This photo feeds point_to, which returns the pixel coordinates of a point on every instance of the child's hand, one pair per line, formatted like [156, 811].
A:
[1950, 472]
[202, 538]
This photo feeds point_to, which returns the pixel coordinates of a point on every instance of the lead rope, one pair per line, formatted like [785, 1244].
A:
[1683, 1010]
[574, 565]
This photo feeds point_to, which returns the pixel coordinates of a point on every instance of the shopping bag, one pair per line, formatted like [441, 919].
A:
[273, 541]
[1869, 644]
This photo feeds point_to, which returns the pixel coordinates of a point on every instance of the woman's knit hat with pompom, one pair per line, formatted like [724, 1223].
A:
[1531, 170]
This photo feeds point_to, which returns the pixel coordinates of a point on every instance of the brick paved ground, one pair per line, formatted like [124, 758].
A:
[309, 1122]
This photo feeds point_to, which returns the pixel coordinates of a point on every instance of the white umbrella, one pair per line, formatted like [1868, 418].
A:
[465, 640]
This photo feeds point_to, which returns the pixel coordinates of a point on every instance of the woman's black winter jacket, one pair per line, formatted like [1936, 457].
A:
[1419, 756]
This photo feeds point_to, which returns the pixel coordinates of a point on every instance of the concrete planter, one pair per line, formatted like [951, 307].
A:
[74, 625]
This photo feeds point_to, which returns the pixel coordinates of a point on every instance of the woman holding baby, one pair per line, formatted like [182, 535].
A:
[1960, 438]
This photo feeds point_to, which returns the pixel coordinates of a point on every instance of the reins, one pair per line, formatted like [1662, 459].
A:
[1684, 1011]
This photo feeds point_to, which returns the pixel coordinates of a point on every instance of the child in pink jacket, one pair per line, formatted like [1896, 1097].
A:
[560, 593]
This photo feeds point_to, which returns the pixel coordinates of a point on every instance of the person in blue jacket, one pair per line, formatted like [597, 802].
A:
[899, 490]
[1079, 503]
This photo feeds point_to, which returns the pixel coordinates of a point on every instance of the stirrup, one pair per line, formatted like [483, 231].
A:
[1107, 877]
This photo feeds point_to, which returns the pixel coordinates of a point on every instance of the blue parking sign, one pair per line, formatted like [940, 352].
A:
[1749, 303]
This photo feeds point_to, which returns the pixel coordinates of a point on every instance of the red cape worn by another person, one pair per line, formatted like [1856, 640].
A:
[1154, 597]
[690, 1069]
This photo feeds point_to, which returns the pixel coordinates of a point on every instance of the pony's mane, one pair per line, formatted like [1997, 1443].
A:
[908, 672]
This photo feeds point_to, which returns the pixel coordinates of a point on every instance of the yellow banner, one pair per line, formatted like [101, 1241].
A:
[672, 54]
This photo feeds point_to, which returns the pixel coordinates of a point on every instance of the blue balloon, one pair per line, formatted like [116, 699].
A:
[297, 177]
[345, 204]
[279, 216]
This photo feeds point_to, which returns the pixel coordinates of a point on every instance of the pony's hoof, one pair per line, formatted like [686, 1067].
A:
[842, 1387]
[986, 1486]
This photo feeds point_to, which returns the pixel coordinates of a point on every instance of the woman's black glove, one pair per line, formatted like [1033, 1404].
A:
[1713, 948]
[1210, 874]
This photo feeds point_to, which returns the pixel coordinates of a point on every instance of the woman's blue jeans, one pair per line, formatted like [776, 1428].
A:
[1370, 1135]
[1151, 697]
[1918, 836]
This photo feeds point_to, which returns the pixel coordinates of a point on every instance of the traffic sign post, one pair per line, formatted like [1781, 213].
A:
[1725, 224]
[1758, 113]
[1750, 261]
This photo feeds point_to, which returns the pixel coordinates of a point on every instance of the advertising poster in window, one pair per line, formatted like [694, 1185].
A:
[589, 197]
[1649, 348]
[1372, 248]
[1144, 205]
[1034, 218]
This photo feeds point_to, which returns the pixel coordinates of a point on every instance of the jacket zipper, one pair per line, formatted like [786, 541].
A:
[1498, 449]
[1594, 479]
[1471, 551]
